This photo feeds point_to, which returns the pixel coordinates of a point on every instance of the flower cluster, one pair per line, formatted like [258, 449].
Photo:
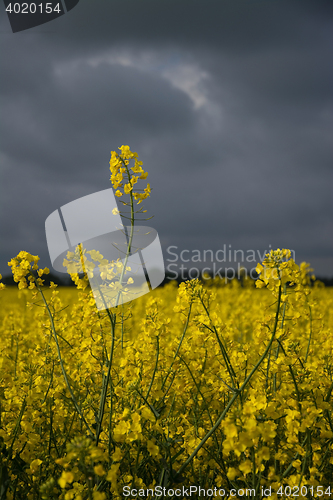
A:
[22, 266]
[2, 286]
[278, 268]
[181, 356]
[122, 175]
[206, 384]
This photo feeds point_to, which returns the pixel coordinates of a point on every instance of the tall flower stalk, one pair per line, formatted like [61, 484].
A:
[119, 167]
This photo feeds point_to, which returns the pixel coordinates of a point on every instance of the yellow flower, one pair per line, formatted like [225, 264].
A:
[137, 169]
[35, 465]
[246, 467]
[230, 430]
[232, 473]
[98, 469]
[113, 473]
[43, 271]
[128, 188]
[126, 152]
[98, 495]
[66, 478]
[152, 448]
[117, 455]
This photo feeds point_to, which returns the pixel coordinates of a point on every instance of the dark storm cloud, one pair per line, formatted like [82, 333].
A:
[63, 111]
[229, 105]
[237, 27]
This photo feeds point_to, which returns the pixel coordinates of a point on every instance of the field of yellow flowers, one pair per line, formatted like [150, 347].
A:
[221, 386]
[188, 401]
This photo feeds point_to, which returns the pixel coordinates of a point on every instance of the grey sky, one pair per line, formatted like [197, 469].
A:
[228, 104]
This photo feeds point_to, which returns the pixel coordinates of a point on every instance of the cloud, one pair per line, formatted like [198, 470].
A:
[229, 105]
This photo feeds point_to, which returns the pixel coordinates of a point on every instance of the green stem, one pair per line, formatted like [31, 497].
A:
[17, 426]
[201, 394]
[305, 459]
[293, 377]
[105, 383]
[78, 409]
[308, 347]
[328, 397]
[290, 467]
[222, 347]
[155, 368]
[129, 246]
[237, 392]
[179, 345]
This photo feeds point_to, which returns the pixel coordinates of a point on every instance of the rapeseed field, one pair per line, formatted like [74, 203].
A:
[223, 386]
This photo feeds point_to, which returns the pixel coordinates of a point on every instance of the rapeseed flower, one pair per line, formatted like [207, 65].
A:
[206, 383]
